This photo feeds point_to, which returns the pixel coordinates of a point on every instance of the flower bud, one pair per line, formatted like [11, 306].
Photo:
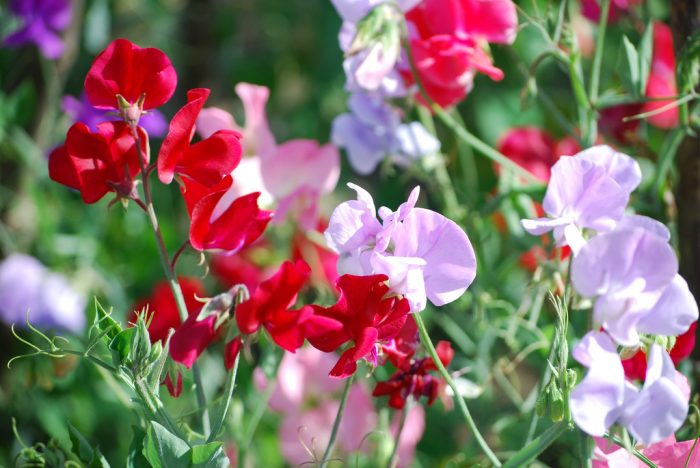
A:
[557, 404]
[541, 404]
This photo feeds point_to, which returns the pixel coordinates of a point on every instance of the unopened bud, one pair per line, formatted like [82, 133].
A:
[541, 404]
[556, 404]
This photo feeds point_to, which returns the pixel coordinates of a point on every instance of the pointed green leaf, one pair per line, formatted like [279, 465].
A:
[80, 446]
[630, 69]
[121, 345]
[211, 455]
[163, 449]
[645, 50]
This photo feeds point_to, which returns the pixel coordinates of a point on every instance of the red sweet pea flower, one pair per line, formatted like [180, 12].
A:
[403, 346]
[367, 317]
[413, 378]
[662, 78]
[269, 305]
[192, 338]
[591, 9]
[162, 308]
[636, 366]
[219, 223]
[446, 44]
[207, 161]
[174, 389]
[98, 163]
[126, 69]
[231, 351]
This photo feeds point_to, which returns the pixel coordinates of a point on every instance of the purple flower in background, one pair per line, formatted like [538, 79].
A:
[27, 286]
[42, 23]
[353, 11]
[372, 130]
[587, 191]
[80, 110]
[633, 274]
[424, 254]
[605, 397]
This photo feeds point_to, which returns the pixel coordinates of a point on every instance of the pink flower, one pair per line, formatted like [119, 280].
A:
[667, 453]
[662, 78]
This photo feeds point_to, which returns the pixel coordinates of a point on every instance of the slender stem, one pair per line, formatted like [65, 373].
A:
[338, 418]
[228, 394]
[600, 46]
[537, 446]
[399, 431]
[255, 418]
[425, 338]
[169, 273]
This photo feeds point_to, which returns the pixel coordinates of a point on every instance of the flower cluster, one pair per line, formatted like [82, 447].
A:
[631, 272]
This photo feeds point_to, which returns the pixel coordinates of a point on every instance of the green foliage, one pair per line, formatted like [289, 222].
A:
[165, 450]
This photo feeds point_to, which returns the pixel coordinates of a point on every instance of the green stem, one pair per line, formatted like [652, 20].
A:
[399, 431]
[338, 418]
[255, 418]
[170, 274]
[600, 46]
[425, 339]
[537, 446]
[228, 394]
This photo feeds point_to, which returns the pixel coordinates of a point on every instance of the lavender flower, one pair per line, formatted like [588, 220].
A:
[589, 190]
[80, 110]
[633, 274]
[42, 23]
[424, 254]
[27, 286]
[372, 130]
[604, 397]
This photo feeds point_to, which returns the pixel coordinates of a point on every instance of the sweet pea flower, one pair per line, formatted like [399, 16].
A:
[80, 110]
[633, 274]
[162, 308]
[535, 150]
[220, 222]
[588, 190]
[96, 163]
[591, 9]
[372, 131]
[134, 73]
[666, 453]
[353, 11]
[445, 40]
[662, 78]
[604, 397]
[207, 161]
[365, 315]
[424, 254]
[43, 21]
[29, 290]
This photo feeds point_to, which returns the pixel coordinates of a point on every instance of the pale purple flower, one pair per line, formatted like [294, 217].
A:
[354, 10]
[424, 254]
[633, 275]
[29, 289]
[80, 110]
[43, 21]
[372, 131]
[587, 191]
[604, 397]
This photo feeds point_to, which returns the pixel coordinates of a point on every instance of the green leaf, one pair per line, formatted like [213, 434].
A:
[630, 70]
[163, 449]
[135, 458]
[98, 460]
[211, 455]
[81, 447]
[645, 50]
[105, 322]
[689, 64]
[121, 345]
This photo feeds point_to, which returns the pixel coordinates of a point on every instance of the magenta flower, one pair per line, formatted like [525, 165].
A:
[587, 191]
[668, 452]
[604, 397]
[424, 254]
[43, 21]
[633, 274]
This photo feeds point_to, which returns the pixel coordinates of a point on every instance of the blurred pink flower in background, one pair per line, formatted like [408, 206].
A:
[308, 401]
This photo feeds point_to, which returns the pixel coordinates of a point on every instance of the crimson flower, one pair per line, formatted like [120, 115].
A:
[98, 163]
[413, 378]
[174, 389]
[636, 366]
[162, 308]
[219, 221]
[192, 338]
[366, 317]
[207, 161]
[130, 71]
[446, 43]
[269, 307]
